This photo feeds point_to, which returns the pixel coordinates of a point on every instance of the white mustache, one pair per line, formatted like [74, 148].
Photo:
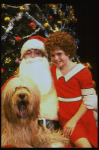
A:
[35, 59]
[38, 70]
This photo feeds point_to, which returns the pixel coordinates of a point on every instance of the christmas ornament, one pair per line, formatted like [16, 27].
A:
[59, 22]
[16, 72]
[46, 25]
[7, 60]
[50, 17]
[17, 60]
[2, 5]
[87, 65]
[32, 24]
[60, 13]
[67, 21]
[70, 7]
[21, 8]
[2, 70]
[17, 39]
[52, 5]
[13, 55]
[56, 28]
[7, 19]
[12, 41]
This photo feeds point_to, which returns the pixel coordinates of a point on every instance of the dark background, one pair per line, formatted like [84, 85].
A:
[87, 31]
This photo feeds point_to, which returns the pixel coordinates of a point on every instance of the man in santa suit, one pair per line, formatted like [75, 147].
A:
[35, 65]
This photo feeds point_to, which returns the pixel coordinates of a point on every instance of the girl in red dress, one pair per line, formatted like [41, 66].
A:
[73, 83]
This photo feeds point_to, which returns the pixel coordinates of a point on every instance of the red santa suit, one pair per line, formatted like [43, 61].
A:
[2, 88]
[70, 89]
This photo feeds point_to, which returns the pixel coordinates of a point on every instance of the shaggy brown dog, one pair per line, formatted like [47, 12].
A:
[20, 110]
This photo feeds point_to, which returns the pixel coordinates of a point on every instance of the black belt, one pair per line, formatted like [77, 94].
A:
[49, 123]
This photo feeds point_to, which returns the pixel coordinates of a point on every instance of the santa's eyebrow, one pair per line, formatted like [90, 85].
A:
[28, 50]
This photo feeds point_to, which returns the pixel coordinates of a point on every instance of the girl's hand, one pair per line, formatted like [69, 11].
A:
[69, 128]
[70, 125]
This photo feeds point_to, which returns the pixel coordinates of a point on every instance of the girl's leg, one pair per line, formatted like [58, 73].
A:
[82, 143]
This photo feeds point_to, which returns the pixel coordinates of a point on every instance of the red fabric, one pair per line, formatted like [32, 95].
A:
[86, 126]
[7, 82]
[38, 38]
[69, 146]
[7, 147]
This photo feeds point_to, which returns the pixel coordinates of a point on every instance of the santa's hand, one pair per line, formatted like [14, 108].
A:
[69, 128]
[91, 101]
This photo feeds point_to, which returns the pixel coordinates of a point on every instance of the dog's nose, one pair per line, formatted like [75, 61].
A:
[22, 95]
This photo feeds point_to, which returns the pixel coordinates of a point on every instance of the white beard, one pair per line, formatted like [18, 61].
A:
[38, 70]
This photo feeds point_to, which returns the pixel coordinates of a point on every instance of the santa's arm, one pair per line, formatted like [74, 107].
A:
[90, 98]
[91, 102]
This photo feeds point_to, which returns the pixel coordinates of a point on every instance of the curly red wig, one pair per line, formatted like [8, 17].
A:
[61, 40]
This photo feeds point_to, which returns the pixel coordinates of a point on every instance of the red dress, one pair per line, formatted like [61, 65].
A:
[70, 89]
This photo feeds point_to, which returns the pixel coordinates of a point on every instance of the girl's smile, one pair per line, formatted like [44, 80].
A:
[59, 58]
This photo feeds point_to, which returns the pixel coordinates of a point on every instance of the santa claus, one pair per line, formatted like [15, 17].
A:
[35, 65]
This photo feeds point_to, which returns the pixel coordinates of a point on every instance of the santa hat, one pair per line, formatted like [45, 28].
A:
[35, 42]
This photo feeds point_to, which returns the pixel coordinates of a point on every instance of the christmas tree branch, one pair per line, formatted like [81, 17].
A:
[44, 17]
[31, 34]
[35, 21]
[11, 25]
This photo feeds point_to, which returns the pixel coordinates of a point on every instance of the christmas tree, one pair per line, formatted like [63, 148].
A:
[22, 21]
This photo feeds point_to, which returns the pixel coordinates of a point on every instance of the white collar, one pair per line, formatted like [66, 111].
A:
[70, 74]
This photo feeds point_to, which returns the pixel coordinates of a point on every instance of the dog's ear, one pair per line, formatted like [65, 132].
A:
[36, 107]
[8, 110]
[36, 110]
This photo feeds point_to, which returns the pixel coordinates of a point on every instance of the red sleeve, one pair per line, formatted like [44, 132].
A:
[86, 83]
[86, 79]
[2, 88]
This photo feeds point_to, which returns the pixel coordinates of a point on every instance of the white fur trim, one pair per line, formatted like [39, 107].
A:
[87, 91]
[49, 105]
[69, 99]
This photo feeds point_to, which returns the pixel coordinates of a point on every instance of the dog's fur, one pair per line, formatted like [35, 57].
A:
[20, 110]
